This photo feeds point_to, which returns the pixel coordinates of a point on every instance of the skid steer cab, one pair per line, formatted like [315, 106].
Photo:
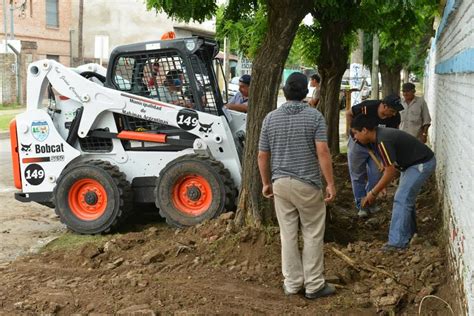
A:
[149, 129]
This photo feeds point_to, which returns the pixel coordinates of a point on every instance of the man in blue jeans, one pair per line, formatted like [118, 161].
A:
[363, 170]
[402, 151]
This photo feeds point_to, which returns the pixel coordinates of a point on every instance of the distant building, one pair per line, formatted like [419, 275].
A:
[115, 23]
[44, 22]
[41, 29]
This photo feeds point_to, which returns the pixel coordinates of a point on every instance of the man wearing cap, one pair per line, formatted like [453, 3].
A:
[415, 118]
[363, 169]
[402, 151]
[293, 152]
[239, 101]
[315, 83]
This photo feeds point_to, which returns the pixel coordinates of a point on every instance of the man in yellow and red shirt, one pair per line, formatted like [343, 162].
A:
[416, 161]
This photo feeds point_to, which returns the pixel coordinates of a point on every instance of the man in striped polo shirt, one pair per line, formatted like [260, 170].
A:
[402, 151]
[363, 169]
[293, 151]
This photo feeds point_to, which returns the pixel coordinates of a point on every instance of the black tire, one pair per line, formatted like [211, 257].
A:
[186, 171]
[97, 179]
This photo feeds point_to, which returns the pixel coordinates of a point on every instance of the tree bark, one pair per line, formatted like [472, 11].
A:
[332, 63]
[283, 20]
[390, 79]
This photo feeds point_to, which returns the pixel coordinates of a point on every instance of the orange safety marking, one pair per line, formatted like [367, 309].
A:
[142, 136]
[15, 155]
[168, 36]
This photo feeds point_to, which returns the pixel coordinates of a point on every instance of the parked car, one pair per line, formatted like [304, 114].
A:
[233, 87]
[366, 90]
[345, 84]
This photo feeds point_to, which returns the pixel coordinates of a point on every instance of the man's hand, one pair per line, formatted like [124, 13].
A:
[330, 193]
[423, 138]
[267, 191]
[368, 200]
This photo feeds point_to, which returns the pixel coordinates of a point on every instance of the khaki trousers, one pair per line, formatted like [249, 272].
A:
[299, 204]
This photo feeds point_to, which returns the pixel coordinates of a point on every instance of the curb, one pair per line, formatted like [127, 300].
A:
[4, 135]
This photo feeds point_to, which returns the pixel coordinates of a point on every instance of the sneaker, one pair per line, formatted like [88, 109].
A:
[390, 248]
[327, 290]
[363, 213]
[288, 293]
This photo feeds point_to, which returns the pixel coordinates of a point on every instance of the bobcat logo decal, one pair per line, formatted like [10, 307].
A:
[25, 148]
[205, 128]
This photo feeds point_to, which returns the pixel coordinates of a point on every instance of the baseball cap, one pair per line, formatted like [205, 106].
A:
[408, 87]
[393, 101]
[245, 79]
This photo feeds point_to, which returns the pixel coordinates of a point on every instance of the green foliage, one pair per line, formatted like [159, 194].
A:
[244, 26]
[404, 37]
[306, 46]
[185, 10]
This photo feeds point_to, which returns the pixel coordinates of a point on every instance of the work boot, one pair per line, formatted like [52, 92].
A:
[327, 290]
[363, 213]
[389, 248]
[374, 209]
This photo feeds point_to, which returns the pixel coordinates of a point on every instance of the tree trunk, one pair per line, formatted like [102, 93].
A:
[283, 20]
[331, 65]
[390, 80]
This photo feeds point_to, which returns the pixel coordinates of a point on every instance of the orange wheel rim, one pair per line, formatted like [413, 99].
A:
[87, 199]
[192, 195]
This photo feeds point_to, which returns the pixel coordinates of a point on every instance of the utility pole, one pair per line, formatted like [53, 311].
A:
[80, 53]
[5, 25]
[12, 31]
[375, 67]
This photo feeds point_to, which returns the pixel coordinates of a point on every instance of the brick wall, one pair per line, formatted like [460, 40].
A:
[7, 79]
[30, 25]
[449, 91]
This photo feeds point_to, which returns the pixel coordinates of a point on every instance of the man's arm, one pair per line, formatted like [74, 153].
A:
[237, 107]
[426, 118]
[387, 177]
[325, 161]
[313, 102]
[264, 168]
[349, 117]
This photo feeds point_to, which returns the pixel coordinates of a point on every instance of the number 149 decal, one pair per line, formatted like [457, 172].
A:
[187, 119]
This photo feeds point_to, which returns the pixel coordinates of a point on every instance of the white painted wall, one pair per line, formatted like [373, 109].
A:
[449, 92]
[126, 22]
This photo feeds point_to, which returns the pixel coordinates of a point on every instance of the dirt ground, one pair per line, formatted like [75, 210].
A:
[24, 227]
[150, 268]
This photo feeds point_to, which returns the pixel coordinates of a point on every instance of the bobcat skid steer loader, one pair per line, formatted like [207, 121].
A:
[151, 129]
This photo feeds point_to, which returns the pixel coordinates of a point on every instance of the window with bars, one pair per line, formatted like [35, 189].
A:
[52, 13]
[167, 77]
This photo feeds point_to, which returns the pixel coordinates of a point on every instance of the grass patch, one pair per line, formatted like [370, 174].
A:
[5, 121]
[73, 241]
[10, 106]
